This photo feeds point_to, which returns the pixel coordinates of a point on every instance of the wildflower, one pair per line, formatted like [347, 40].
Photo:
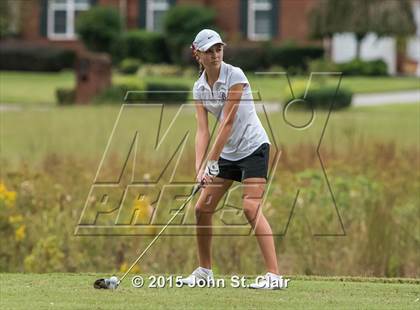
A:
[124, 268]
[9, 197]
[144, 209]
[144, 213]
[2, 189]
[20, 233]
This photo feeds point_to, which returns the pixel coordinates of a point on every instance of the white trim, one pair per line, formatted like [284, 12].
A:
[70, 20]
[151, 7]
[70, 7]
[254, 6]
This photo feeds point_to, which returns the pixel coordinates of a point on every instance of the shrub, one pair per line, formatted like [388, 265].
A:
[248, 58]
[360, 67]
[65, 96]
[46, 255]
[149, 47]
[159, 70]
[376, 68]
[129, 66]
[321, 97]
[99, 28]
[182, 23]
[30, 57]
[187, 58]
[6, 19]
[276, 68]
[354, 67]
[260, 57]
[117, 93]
[322, 65]
[167, 93]
[290, 56]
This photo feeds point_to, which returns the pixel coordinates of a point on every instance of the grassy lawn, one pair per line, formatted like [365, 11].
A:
[39, 88]
[274, 88]
[33, 88]
[75, 291]
[380, 84]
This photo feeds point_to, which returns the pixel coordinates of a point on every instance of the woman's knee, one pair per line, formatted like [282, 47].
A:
[251, 209]
[204, 207]
[210, 198]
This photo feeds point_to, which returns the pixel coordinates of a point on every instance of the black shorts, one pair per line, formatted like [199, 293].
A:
[252, 166]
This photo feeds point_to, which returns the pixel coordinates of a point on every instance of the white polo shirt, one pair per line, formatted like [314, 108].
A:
[247, 132]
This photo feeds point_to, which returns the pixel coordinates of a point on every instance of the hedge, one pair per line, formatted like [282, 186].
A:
[28, 57]
[151, 93]
[321, 98]
[129, 66]
[116, 93]
[293, 56]
[248, 58]
[65, 96]
[264, 56]
[167, 92]
[148, 47]
[359, 67]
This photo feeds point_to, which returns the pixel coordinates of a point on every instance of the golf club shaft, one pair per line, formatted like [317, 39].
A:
[196, 189]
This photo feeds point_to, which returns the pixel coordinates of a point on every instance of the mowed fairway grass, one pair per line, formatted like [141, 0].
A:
[75, 291]
[29, 88]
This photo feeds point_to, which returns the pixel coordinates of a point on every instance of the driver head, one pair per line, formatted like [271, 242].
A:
[111, 283]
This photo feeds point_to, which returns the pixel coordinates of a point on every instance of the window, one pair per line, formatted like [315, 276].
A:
[62, 15]
[156, 10]
[259, 19]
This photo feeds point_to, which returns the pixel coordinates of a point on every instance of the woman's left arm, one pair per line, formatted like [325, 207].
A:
[229, 110]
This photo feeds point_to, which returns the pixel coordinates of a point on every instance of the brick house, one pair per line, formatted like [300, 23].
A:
[53, 21]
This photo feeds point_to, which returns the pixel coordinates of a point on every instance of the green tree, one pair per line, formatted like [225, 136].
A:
[325, 20]
[99, 28]
[10, 19]
[385, 18]
[4, 18]
[395, 18]
[182, 23]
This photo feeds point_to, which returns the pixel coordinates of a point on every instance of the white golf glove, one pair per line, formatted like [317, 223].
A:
[212, 168]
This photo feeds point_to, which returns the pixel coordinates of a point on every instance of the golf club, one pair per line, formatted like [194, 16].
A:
[113, 282]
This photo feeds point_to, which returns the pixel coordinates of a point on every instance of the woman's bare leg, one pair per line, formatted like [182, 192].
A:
[253, 193]
[206, 204]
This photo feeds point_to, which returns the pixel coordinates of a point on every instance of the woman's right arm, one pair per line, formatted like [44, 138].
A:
[202, 137]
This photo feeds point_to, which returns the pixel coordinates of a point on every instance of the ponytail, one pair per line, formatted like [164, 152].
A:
[200, 65]
[201, 68]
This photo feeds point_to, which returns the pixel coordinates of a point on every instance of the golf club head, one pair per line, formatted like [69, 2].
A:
[104, 283]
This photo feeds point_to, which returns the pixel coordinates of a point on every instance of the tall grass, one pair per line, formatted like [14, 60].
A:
[376, 195]
[372, 156]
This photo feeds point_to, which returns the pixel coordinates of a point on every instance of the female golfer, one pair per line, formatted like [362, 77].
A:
[240, 153]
